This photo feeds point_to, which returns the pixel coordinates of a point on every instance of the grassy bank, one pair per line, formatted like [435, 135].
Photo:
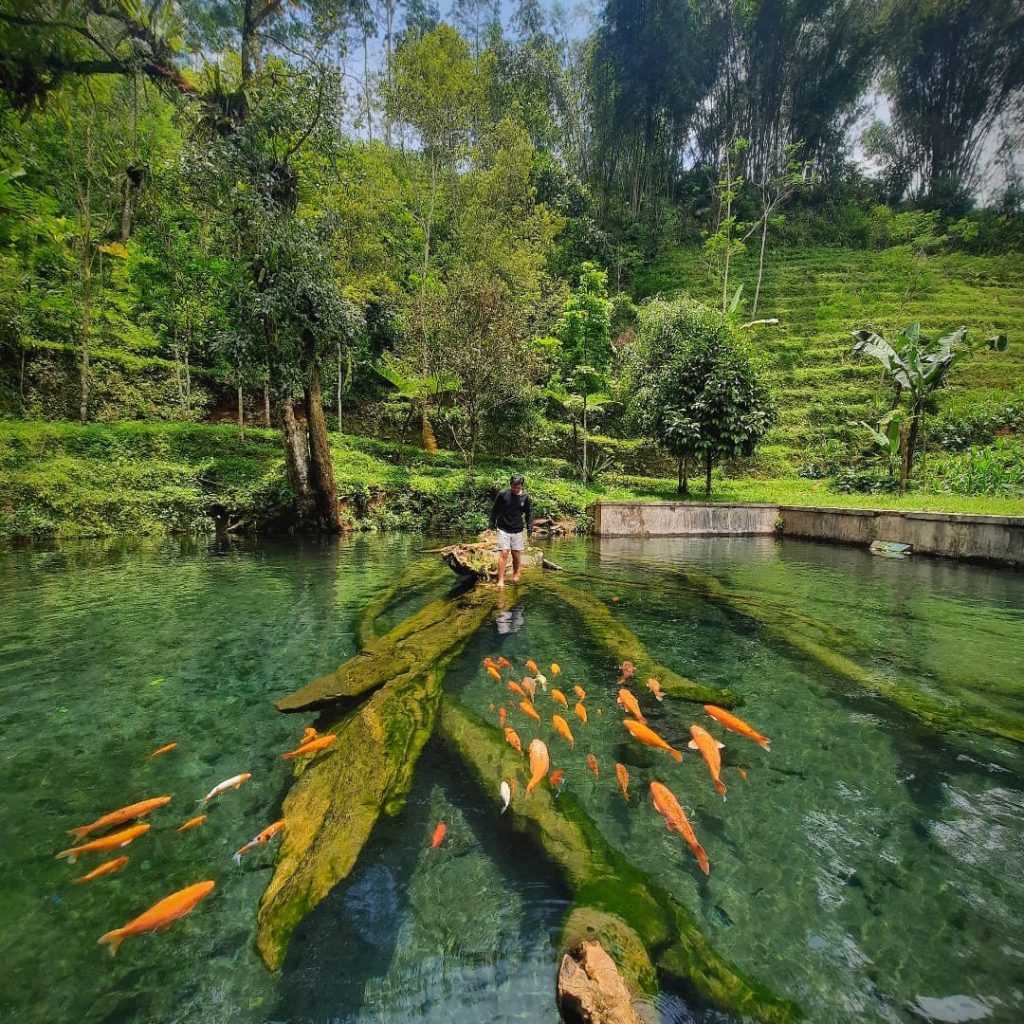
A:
[65, 480]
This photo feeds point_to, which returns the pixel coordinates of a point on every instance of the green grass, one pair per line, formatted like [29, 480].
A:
[65, 480]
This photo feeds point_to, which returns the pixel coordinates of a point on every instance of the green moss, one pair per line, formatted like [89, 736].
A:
[605, 883]
[623, 945]
[416, 579]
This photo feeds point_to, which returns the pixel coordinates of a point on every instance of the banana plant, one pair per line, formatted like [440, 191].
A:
[918, 367]
[890, 436]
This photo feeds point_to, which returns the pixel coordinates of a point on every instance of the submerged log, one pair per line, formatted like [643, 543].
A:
[418, 577]
[622, 645]
[412, 645]
[622, 897]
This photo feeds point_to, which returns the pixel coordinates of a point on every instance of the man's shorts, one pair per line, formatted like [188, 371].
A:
[510, 541]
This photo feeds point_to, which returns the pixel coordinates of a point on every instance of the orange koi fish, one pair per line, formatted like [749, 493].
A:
[309, 734]
[512, 739]
[118, 817]
[258, 840]
[493, 673]
[623, 776]
[530, 686]
[539, 764]
[649, 737]
[439, 833]
[503, 662]
[668, 807]
[563, 730]
[312, 747]
[528, 709]
[234, 782]
[709, 747]
[514, 687]
[629, 703]
[743, 774]
[488, 661]
[560, 697]
[737, 725]
[111, 842]
[104, 869]
[556, 777]
[162, 750]
[532, 666]
[628, 669]
[580, 692]
[556, 669]
[161, 915]
[655, 687]
[592, 765]
[502, 716]
[192, 823]
[542, 679]
[581, 713]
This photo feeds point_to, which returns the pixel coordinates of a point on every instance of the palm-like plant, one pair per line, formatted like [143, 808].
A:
[416, 391]
[918, 367]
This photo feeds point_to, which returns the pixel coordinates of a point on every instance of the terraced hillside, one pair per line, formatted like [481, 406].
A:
[821, 294]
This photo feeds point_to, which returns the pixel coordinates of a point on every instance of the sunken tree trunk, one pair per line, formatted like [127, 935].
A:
[327, 516]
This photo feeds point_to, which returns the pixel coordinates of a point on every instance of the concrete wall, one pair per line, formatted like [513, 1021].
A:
[980, 538]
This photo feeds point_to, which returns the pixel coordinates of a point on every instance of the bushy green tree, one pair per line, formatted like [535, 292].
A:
[694, 389]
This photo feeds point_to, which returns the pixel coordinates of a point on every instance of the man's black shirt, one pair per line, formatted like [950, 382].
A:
[509, 510]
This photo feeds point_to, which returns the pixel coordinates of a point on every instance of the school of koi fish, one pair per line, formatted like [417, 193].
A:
[168, 910]
[539, 757]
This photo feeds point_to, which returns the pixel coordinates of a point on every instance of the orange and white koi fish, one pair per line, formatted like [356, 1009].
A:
[556, 669]
[104, 869]
[560, 697]
[563, 730]
[542, 679]
[503, 662]
[655, 687]
[505, 790]
[532, 666]
[737, 725]
[530, 686]
[512, 739]
[581, 713]
[556, 778]
[623, 776]
[309, 734]
[628, 702]
[111, 842]
[628, 670]
[514, 687]
[312, 747]
[162, 750]
[592, 765]
[493, 673]
[669, 808]
[439, 833]
[709, 747]
[539, 764]
[192, 823]
[529, 710]
[120, 816]
[234, 782]
[258, 840]
[161, 915]
[502, 716]
[649, 737]
[580, 692]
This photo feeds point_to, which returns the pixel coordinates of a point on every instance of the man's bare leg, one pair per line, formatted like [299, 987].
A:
[502, 562]
[516, 557]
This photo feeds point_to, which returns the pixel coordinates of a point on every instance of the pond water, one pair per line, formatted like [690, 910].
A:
[870, 868]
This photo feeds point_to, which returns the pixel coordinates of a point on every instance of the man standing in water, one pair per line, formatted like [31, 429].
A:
[511, 508]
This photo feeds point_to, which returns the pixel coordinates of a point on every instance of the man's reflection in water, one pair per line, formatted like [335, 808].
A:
[508, 620]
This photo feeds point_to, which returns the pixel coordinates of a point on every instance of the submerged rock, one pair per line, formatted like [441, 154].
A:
[590, 989]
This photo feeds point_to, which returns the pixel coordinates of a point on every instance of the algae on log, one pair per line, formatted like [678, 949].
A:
[411, 646]
[417, 578]
[623, 645]
[606, 883]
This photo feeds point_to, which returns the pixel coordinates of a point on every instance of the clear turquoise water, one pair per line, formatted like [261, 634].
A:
[870, 868]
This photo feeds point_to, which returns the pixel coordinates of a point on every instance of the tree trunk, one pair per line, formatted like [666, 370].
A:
[266, 401]
[760, 266]
[86, 325]
[427, 438]
[241, 415]
[707, 475]
[321, 469]
[916, 415]
[683, 484]
[177, 374]
[339, 387]
[188, 382]
[586, 468]
[296, 460]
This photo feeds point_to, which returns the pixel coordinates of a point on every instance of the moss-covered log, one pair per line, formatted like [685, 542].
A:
[622, 645]
[335, 802]
[417, 578]
[620, 897]
[415, 643]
